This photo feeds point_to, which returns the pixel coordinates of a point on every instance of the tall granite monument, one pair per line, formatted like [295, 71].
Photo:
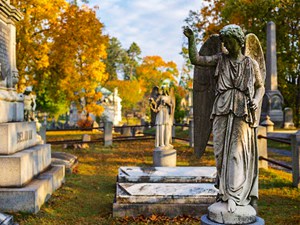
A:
[27, 178]
[273, 100]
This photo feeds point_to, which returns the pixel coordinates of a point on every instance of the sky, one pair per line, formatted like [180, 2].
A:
[155, 25]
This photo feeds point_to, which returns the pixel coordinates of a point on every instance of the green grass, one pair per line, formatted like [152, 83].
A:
[278, 145]
[88, 194]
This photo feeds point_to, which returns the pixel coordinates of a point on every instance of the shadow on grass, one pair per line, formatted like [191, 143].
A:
[88, 195]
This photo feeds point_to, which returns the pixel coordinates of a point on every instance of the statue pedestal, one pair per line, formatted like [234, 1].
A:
[218, 214]
[164, 157]
[206, 221]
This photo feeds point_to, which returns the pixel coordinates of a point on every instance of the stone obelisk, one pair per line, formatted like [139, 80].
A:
[273, 100]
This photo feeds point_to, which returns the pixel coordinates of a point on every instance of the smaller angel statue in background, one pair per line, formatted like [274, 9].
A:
[162, 104]
[29, 104]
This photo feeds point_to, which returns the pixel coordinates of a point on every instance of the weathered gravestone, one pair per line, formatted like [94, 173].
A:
[27, 178]
[172, 191]
[288, 119]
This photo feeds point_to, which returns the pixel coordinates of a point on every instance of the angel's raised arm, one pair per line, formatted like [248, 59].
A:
[195, 58]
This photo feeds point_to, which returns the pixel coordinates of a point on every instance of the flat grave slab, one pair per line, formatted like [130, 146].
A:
[191, 193]
[62, 158]
[171, 191]
[167, 174]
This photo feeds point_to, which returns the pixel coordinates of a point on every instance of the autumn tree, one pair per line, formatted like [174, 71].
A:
[253, 16]
[60, 49]
[153, 70]
[33, 48]
[77, 54]
[130, 91]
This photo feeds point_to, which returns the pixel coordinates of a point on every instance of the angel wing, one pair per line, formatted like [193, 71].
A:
[253, 49]
[204, 95]
[154, 95]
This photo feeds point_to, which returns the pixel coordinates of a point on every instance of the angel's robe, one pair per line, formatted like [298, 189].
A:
[163, 116]
[163, 122]
[235, 145]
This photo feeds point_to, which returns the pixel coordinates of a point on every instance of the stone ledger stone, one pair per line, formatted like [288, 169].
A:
[172, 191]
[62, 158]
[31, 197]
[168, 193]
[19, 168]
[170, 210]
[17, 136]
[167, 174]
[165, 157]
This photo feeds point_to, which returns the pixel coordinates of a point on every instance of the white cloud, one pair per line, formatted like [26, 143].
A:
[155, 25]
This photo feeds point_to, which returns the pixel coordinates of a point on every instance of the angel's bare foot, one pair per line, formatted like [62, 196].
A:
[231, 206]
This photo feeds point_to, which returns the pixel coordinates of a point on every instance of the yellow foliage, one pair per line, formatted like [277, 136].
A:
[131, 92]
[61, 50]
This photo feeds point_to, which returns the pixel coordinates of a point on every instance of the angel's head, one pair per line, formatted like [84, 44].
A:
[164, 90]
[233, 37]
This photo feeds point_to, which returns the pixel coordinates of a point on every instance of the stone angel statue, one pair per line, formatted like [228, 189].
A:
[228, 91]
[162, 105]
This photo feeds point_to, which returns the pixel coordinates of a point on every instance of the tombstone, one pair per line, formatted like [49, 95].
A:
[86, 138]
[108, 138]
[273, 100]
[172, 191]
[68, 160]
[126, 131]
[27, 178]
[288, 119]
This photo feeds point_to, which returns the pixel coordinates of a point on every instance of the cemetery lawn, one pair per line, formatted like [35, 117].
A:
[88, 193]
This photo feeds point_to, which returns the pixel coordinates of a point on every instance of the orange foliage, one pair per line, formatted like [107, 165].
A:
[85, 123]
[154, 70]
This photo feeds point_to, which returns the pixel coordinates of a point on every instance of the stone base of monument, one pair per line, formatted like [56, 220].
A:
[218, 214]
[11, 105]
[32, 196]
[164, 157]
[27, 178]
[172, 191]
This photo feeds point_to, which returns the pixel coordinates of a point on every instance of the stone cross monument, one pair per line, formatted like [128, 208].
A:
[273, 100]
[27, 178]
